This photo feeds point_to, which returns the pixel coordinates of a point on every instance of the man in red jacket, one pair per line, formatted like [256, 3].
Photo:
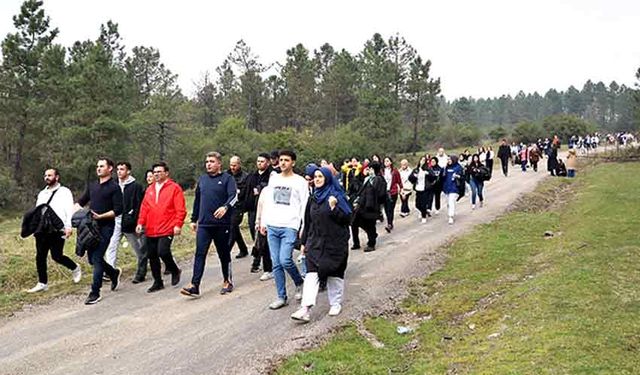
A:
[162, 215]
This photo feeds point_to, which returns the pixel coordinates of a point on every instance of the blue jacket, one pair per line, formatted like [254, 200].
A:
[213, 192]
[450, 172]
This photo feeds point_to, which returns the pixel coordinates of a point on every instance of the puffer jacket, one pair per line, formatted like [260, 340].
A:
[88, 235]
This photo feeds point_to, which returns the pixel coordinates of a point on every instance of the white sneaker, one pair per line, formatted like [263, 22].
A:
[335, 310]
[423, 220]
[266, 276]
[278, 304]
[40, 287]
[473, 206]
[481, 203]
[450, 220]
[298, 295]
[437, 212]
[77, 274]
[302, 315]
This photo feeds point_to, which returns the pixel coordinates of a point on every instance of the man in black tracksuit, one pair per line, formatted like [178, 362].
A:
[256, 182]
[240, 176]
[504, 153]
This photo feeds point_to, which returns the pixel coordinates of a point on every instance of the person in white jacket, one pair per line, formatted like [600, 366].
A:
[62, 205]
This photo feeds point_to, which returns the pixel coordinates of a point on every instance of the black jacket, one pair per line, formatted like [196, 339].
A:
[88, 236]
[371, 195]
[504, 152]
[326, 239]
[254, 184]
[132, 199]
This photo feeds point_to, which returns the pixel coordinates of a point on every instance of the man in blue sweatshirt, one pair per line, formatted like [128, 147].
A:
[216, 195]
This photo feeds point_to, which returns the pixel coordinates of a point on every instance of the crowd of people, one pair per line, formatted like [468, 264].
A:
[318, 211]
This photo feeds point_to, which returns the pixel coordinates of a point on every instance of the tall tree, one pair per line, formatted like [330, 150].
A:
[422, 91]
[21, 66]
[251, 84]
[401, 54]
[299, 77]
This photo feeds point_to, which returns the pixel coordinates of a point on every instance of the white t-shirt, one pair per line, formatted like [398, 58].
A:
[285, 201]
[442, 160]
[62, 203]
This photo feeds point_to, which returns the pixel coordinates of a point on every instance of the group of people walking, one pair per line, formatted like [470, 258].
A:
[317, 212]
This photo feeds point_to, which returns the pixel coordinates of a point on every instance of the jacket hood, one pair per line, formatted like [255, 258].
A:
[129, 180]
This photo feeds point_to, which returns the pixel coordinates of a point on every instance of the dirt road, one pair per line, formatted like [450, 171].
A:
[132, 332]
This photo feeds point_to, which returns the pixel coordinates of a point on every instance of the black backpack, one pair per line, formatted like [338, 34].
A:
[41, 219]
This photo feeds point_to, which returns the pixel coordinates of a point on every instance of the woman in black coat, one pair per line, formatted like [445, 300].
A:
[367, 204]
[325, 242]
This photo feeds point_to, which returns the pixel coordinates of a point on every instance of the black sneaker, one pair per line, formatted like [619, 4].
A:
[137, 280]
[369, 249]
[355, 247]
[115, 282]
[92, 299]
[242, 254]
[166, 272]
[255, 269]
[155, 287]
[175, 278]
[226, 289]
[190, 291]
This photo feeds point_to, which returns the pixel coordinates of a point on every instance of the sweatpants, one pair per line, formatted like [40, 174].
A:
[221, 238]
[335, 290]
[160, 247]
[136, 243]
[55, 243]
[451, 204]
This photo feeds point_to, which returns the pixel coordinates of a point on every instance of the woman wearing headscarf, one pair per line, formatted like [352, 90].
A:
[325, 242]
[367, 205]
[452, 176]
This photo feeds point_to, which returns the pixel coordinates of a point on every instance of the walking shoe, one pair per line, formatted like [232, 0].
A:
[388, 228]
[429, 213]
[481, 203]
[404, 214]
[166, 271]
[369, 249]
[302, 315]
[92, 299]
[275, 305]
[105, 277]
[175, 278]
[76, 274]
[155, 287]
[473, 207]
[423, 220]
[116, 280]
[40, 287]
[298, 295]
[242, 254]
[266, 276]
[137, 280]
[226, 289]
[335, 310]
[190, 291]
[355, 247]
[255, 269]
[437, 212]
[450, 220]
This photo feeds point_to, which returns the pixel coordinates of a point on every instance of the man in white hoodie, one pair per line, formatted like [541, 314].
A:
[61, 202]
[132, 195]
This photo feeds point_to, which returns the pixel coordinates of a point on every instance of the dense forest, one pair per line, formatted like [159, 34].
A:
[65, 105]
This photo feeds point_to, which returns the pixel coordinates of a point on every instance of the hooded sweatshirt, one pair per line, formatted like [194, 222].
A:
[132, 195]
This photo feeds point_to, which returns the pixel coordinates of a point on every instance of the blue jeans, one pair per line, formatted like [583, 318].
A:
[476, 190]
[96, 259]
[281, 241]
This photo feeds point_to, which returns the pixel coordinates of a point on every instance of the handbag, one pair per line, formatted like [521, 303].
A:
[41, 219]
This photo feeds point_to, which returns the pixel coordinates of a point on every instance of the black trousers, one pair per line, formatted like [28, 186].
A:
[55, 243]
[424, 199]
[369, 226]
[505, 166]
[236, 237]
[252, 224]
[389, 208]
[437, 192]
[404, 200]
[160, 247]
[260, 252]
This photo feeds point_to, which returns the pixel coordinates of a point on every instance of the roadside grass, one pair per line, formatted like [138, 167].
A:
[510, 301]
[18, 268]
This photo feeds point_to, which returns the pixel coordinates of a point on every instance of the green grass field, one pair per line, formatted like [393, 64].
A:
[18, 268]
[509, 301]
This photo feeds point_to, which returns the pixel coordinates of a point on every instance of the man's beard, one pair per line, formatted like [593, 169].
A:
[51, 182]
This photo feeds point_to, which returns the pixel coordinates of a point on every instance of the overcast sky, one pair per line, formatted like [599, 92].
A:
[478, 48]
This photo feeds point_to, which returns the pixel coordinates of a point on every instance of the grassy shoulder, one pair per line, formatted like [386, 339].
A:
[18, 268]
[509, 301]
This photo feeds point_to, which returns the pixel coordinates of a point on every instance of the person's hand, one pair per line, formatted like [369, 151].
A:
[263, 230]
[194, 227]
[220, 212]
[177, 231]
[95, 215]
[333, 202]
[139, 229]
[67, 232]
[302, 252]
